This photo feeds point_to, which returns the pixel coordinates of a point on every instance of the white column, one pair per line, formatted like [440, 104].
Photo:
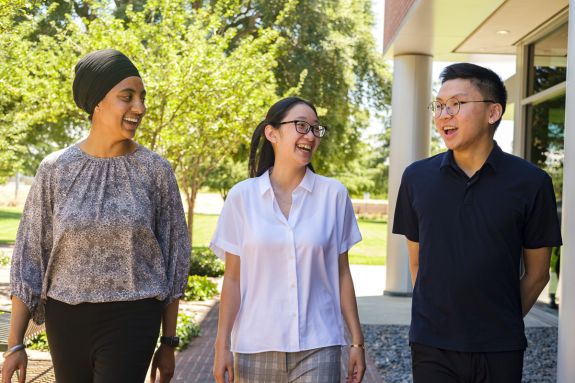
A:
[566, 341]
[410, 139]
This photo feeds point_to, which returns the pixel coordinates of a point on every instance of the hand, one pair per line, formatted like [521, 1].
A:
[355, 365]
[15, 362]
[223, 362]
[165, 361]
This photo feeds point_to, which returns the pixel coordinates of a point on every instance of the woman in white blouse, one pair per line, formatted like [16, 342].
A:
[284, 234]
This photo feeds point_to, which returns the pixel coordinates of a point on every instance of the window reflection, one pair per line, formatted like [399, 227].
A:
[547, 151]
[549, 61]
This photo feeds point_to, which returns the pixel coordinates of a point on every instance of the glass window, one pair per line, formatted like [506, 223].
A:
[548, 61]
[547, 131]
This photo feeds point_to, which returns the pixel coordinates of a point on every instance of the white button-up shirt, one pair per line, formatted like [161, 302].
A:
[289, 270]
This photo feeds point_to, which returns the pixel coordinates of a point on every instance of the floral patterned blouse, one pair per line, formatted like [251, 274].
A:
[101, 230]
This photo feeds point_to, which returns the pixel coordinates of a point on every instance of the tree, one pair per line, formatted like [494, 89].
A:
[203, 98]
[328, 44]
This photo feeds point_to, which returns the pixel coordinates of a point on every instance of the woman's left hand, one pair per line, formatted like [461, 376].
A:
[355, 365]
[165, 361]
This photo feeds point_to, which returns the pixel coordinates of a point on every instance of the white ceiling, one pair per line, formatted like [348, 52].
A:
[452, 30]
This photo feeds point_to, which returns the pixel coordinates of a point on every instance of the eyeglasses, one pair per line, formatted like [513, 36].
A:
[303, 127]
[451, 106]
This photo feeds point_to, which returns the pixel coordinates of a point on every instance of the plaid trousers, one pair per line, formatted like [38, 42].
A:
[321, 365]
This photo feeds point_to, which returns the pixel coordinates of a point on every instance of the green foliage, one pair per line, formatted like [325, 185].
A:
[327, 52]
[200, 288]
[39, 342]
[211, 69]
[4, 259]
[229, 173]
[186, 329]
[204, 262]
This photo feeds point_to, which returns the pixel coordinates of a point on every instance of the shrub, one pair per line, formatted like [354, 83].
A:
[39, 342]
[200, 288]
[4, 259]
[186, 330]
[203, 261]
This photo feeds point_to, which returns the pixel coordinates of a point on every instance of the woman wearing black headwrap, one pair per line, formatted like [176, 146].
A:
[102, 250]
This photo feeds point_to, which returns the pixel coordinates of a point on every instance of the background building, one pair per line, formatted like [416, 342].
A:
[541, 104]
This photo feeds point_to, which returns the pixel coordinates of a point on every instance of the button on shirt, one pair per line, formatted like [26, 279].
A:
[471, 233]
[289, 273]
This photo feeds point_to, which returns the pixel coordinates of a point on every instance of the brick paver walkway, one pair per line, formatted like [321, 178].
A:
[194, 364]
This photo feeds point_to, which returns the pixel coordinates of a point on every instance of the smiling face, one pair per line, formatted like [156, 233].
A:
[120, 113]
[471, 127]
[289, 145]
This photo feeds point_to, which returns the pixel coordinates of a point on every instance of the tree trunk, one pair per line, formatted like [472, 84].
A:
[191, 193]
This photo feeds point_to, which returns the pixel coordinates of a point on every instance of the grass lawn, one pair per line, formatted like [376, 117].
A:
[9, 219]
[373, 247]
[370, 251]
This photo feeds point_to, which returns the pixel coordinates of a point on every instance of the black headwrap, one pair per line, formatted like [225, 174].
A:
[97, 73]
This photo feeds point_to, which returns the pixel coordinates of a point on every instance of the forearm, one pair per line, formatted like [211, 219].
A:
[531, 287]
[349, 311]
[348, 302]
[170, 318]
[413, 271]
[413, 252]
[229, 306]
[18, 322]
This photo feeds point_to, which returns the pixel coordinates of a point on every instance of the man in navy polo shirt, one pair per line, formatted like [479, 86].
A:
[470, 216]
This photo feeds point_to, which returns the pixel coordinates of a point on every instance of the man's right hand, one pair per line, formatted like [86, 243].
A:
[15, 363]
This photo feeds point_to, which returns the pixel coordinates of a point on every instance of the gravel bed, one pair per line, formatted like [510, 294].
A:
[388, 348]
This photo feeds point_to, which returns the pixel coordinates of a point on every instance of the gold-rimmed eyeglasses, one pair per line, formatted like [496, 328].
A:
[451, 106]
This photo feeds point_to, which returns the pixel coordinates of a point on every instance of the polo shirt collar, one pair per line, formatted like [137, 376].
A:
[492, 160]
[306, 183]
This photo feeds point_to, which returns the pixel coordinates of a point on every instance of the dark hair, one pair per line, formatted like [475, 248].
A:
[485, 80]
[262, 153]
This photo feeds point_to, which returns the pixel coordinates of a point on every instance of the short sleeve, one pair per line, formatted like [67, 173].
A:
[350, 230]
[172, 235]
[34, 244]
[405, 220]
[542, 228]
[228, 236]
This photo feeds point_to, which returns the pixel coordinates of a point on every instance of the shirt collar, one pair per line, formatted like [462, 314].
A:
[492, 159]
[306, 183]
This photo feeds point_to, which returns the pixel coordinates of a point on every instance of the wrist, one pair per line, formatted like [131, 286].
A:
[222, 345]
[14, 349]
[170, 341]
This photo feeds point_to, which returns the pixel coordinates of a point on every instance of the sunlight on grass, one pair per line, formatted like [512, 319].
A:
[9, 220]
[372, 248]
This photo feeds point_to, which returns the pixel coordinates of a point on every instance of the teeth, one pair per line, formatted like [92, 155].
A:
[304, 146]
[449, 128]
[135, 120]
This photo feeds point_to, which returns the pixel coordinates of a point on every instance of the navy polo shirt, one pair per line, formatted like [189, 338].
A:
[471, 234]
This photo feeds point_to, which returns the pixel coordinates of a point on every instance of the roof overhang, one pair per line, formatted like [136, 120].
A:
[452, 30]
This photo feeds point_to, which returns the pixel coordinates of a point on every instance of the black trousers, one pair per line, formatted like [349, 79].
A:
[433, 365]
[102, 342]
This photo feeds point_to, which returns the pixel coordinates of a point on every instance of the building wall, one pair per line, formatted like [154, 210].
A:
[395, 12]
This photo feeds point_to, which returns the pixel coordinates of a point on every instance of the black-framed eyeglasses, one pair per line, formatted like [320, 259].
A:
[303, 127]
[451, 106]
